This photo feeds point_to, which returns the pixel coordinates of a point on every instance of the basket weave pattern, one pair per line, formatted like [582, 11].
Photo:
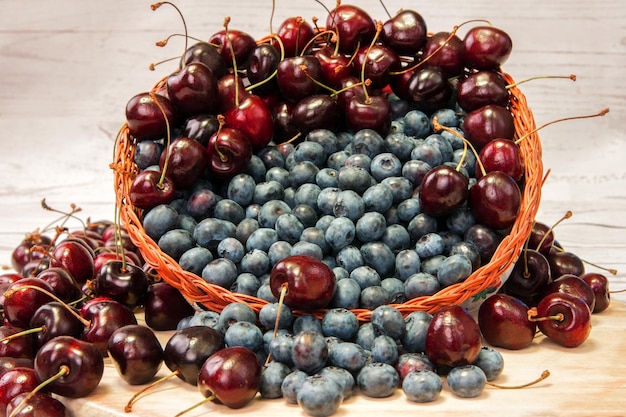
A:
[213, 297]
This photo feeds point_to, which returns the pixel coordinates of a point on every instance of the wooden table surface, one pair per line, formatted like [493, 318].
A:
[68, 68]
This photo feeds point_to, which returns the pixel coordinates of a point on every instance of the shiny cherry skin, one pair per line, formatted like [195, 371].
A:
[481, 88]
[538, 237]
[136, 353]
[231, 90]
[146, 115]
[252, 118]
[495, 200]
[335, 65]
[206, 54]
[294, 82]
[443, 190]
[232, 375]
[200, 127]
[24, 253]
[575, 326]
[428, 89]
[309, 283]
[375, 63]
[350, 87]
[318, 111]
[405, 33]
[283, 128]
[84, 360]
[599, 284]
[122, 282]
[187, 162]
[486, 47]
[7, 363]
[55, 320]
[487, 123]
[75, 258]
[23, 347]
[240, 42]
[150, 188]
[15, 382]
[38, 402]
[453, 337]
[565, 262]
[165, 306]
[261, 66]
[105, 317]
[503, 322]
[574, 285]
[530, 274]
[294, 33]
[354, 27]
[63, 284]
[445, 53]
[373, 112]
[187, 349]
[485, 239]
[193, 90]
[21, 301]
[229, 152]
[501, 155]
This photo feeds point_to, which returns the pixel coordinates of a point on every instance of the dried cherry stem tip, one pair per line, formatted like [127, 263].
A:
[543, 376]
[532, 316]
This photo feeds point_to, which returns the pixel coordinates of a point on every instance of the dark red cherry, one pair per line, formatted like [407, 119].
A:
[353, 25]
[165, 307]
[319, 111]
[536, 238]
[24, 253]
[146, 115]
[186, 162]
[22, 347]
[481, 88]
[486, 47]
[599, 284]
[105, 316]
[283, 128]
[21, 300]
[442, 191]
[373, 112]
[530, 275]
[335, 65]
[200, 127]
[136, 353]
[428, 88]
[445, 52]
[350, 86]
[27, 403]
[405, 32]
[309, 283]
[296, 77]
[123, 282]
[63, 284]
[375, 63]
[187, 349]
[229, 152]
[294, 33]
[193, 90]
[570, 323]
[207, 54]
[495, 200]
[150, 188]
[253, 119]
[501, 155]
[453, 337]
[574, 285]
[238, 41]
[75, 258]
[55, 319]
[565, 262]
[15, 382]
[261, 67]
[503, 322]
[231, 90]
[487, 123]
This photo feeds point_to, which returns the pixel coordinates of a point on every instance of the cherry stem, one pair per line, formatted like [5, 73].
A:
[153, 65]
[305, 70]
[532, 316]
[221, 121]
[26, 332]
[119, 245]
[382, 3]
[281, 301]
[273, 74]
[567, 215]
[564, 119]
[379, 28]
[232, 54]
[612, 271]
[63, 371]
[272, 17]
[438, 126]
[540, 77]
[10, 291]
[196, 405]
[168, 139]
[129, 406]
[315, 37]
[543, 376]
[159, 4]
[165, 41]
[64, 216]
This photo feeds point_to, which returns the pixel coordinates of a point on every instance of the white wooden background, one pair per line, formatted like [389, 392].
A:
[67, 69]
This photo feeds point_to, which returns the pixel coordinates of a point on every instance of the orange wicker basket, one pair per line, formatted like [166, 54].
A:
[470, 293]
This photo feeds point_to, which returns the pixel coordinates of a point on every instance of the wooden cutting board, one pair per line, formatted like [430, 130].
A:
[589, 380]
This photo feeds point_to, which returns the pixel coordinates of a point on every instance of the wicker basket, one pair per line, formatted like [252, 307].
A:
[470, 293]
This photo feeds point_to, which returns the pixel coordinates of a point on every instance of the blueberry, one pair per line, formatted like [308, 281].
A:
[428, 153]
[310, 151]
[272, 377]
[340, 272]
[326, 200]
[200, 204]
[454, 269]
[466, 159]
[417, 124]
[336, 160]
[347, 294]
[220, 271]
[231, 248]
[303, 172]
[408, 209]
[431, 265]
[241, 189]
[317, 236]
[428, 245]
[307, 194]
[467, 381]
[176, 242]
[245, 228]
[449, 240]
[206, 318]
[370, 226]
[291, 385]
[195, 259]
[375, 296]
[415, 170]
[244, 334]
[279, 251]
[280, 347]
[271, 157]
[340, 233]
[307, 248]
[270, 312]
[268, 190]
[378, 380]
[159, 220]
[365, 276]
[288, 228]
[388, 320]
[385, 350]
[368, 142]
[378, 197]
[255, 168]
[349, 204]
[309, 352]
[265, 293]
[366, 335]
[252, 211]
[396, 238]
[327, 178]
[353, 178]
[307, 322]
[230, 210]
[421, 284]
[319, 396]
[380, 257]
[271, 211]
[261, 239]
[349, 258]
[236, 312]
[324, 137]
[307, 214]
[256, 262]
[341, 323]
[186, 222]
[442, 144]
[246, 283]
[210, 232]
[460, 220]
[359, 160]
[349, 356]
[422, 386]
[401, 188]
[342, 377]
[147, 153]
[399, 144]
[420, 225]
[395, 288]
[407, 263]
[278, 174]
[490, 361]
[416, 325]
[385, 165]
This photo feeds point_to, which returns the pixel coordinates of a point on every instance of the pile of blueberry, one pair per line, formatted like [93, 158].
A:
[357, 145]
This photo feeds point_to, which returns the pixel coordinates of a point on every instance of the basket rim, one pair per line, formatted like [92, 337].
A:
[478, 284]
